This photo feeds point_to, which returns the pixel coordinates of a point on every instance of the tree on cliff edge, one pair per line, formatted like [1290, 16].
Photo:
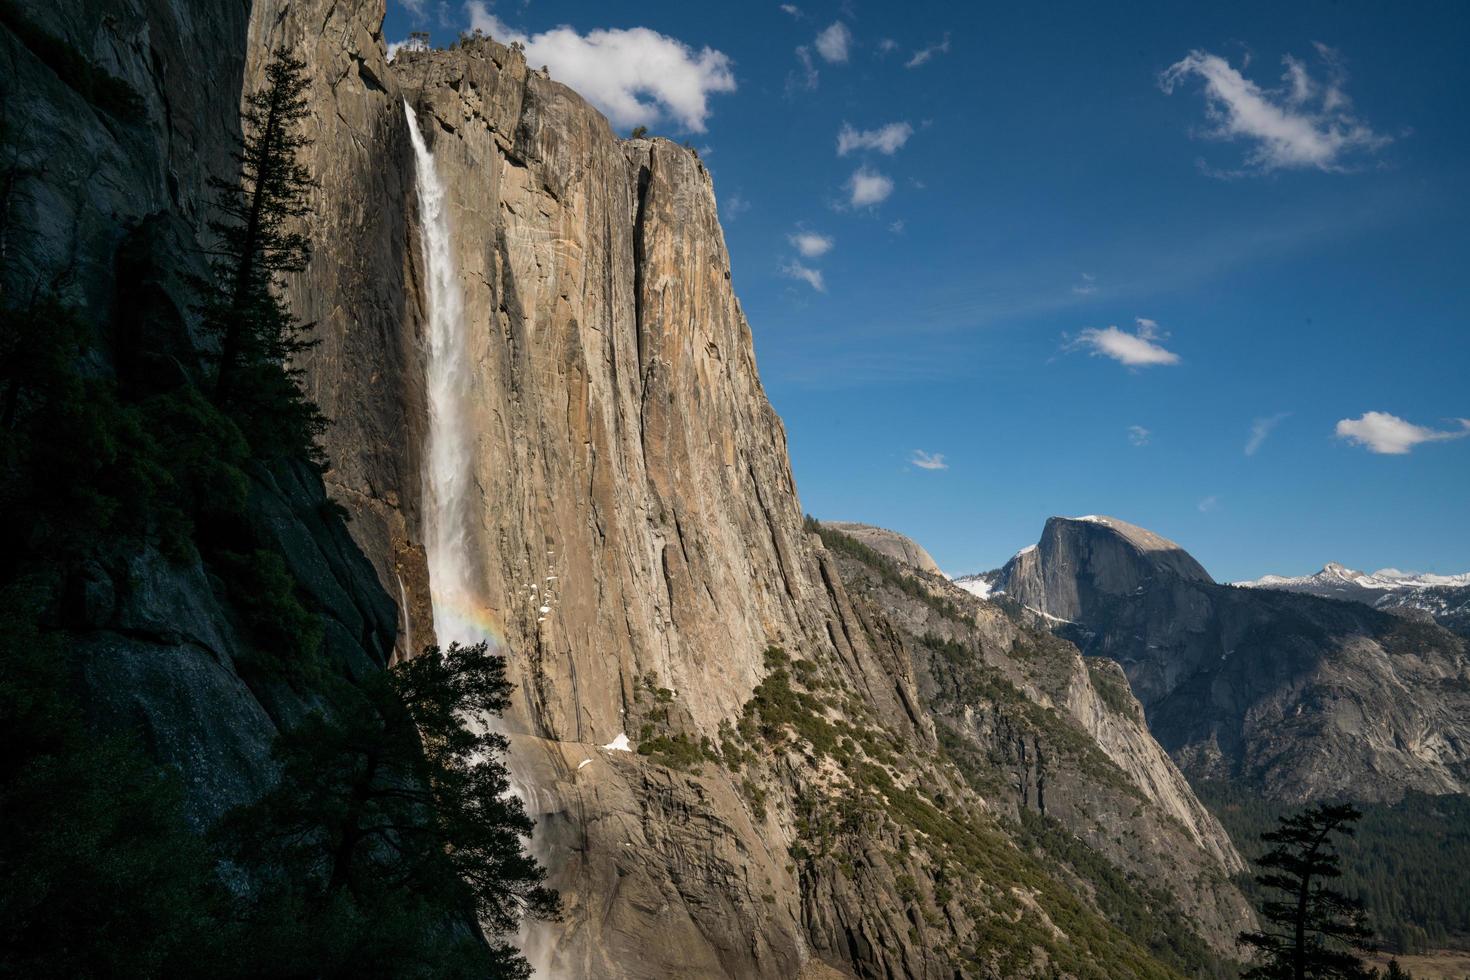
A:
[392, 836]
[1312, 929]
[258, 245]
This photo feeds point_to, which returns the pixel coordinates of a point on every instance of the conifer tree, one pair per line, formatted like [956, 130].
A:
[258, 245]
[392, 836]
[1312, 929]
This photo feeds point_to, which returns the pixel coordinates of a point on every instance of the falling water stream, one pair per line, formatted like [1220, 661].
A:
[456, 588]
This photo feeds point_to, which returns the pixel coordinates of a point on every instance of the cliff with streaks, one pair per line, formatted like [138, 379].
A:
[791, 805]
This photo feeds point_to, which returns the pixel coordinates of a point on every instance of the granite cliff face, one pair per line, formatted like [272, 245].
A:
[790, 809]
[1299, 696]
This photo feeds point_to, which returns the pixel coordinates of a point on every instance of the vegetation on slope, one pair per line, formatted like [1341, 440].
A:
[1405, 863]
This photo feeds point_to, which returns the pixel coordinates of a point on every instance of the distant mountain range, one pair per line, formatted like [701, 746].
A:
[1292, 695]
[1444, 598]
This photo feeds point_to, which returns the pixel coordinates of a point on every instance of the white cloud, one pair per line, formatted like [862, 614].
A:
[810, 244]
[812, 277]
[1380, 432]
[1139, 349]
[635, 76]
[896, 226]
[886, 46]
[791, 9]
[923, 55]
[1261, 429]
[832, 43]
[1305, 123]
[415, 7]
[1138, 435]
[394, 47]
[1208, 504]
[867, 187]
[1088, 285]
[928, 461]
[885, 139]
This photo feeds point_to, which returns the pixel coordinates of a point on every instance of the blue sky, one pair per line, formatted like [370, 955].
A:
[1074, 260]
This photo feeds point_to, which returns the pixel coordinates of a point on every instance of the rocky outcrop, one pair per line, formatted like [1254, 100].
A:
[904, 550]
[1298, 696]
[1062, 737]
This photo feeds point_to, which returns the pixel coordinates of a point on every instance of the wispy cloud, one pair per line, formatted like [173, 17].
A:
[867, 187]
[833, 43]
[1208, 504]
[806, 76]
[886, 46]
[1141, 349]
[734, 205]
[812, 277]
[636, 76]
[924, 55]
[1304, 123]
[415, 7]
[1380, 432]
[1261, 430]
[1138, 435]
[885, 139]
[928, 461]
[1087, 286]
[792, 9]
[811, 244]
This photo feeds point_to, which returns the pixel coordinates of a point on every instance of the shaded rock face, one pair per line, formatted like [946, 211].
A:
[901, 549]
[1301, 697]
[109, 208]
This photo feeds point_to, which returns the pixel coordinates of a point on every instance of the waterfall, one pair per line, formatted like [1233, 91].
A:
[460, 612]
[456, 588]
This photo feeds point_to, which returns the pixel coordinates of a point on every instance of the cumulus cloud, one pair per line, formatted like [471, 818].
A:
[832, 43]
[1138, 435]
[812, 277]
[1304, 123]
[885, 139]
[810, 244]
[1140, 349]
[1261, 430]
[867, 187]
[924, 55]
[1380, 432]
[929, 461]
[636, 76]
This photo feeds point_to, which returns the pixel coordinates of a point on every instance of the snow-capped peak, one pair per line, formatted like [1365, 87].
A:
[1334, 575]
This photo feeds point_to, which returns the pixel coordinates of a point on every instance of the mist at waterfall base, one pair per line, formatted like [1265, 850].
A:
[456, 591]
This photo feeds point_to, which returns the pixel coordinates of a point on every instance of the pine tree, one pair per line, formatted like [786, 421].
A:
[1313, 928]
[258, 245]
[392, 833]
